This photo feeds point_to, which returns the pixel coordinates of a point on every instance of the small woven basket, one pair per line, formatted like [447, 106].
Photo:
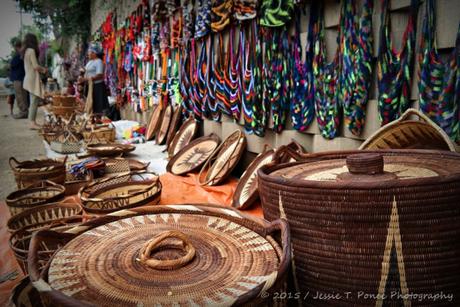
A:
[102, 135]
[31, 172]
[33, 196]
[122, 191]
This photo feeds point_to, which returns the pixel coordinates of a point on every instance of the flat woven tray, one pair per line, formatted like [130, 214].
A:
[175, 123]
[122, 191]
[224, 160]
[154, 123]
[108, 150]
[192, 156]
[247, 192]
[184, 136]
[178, 255]
[165, 123]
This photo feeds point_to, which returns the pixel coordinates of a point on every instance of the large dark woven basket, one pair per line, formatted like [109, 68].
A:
[355, 229]
[210, 256]
[31, 172]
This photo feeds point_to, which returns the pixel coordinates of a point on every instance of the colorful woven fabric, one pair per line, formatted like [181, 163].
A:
[195, 94]
[439, 82]
[202, 69]
[186, 88]
[245, 9]
[247, 53]
[220, 71]
[221, 13]
[232, 78]
[212, 103]
[326, 75]
[394, 69]
[259, 107]
[356, 66]
[203, 19]
[303, 104]
[189, 20]
[275, 13]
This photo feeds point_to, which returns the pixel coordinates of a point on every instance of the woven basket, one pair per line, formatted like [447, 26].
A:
[247, 192]
[65, 112]
[406, 133]
[175, 123]
[122, 165]
[24, 294]
[31, 172]
[43, 216]
[103, 135]
[66, 143]
[73, 185]
[373, 221]
[184, 136]
[154, 123]
[33, 196]
[193, 156]
[177, 255]
[64, 101]
[109, 150]
[19, 240]
[224, 160]
[165, 123]
[122, 191]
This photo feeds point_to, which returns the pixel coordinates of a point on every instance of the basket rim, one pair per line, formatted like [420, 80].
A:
[264, 173]
[31, 189]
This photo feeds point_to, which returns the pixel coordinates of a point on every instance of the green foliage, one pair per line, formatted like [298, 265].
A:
[68, 17]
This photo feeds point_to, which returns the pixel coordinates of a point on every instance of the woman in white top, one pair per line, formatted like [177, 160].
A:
[32, 82]
[94, 71]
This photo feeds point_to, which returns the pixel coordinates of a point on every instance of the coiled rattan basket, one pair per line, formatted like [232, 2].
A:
[31, 172]
[373, 222]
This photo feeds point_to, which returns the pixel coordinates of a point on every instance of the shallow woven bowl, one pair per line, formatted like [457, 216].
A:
[184, 136]
[235, 258]
[43, 216]
[361, 229]
[108, 150]
[122, 191]
[154, 123]
[193, 156]
[34, 196]
[175, 123]
[165, 123]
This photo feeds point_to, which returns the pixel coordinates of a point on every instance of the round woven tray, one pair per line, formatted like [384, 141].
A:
[20, 239]
[24, 294]
[154, 123]
[247, 192]
[184, 136]
[192, 156]
[122, 165]
[122, 191]
[165, 123]
[208, 256]
[175, 123]
[43, 216]
[224, 160]
[407, 133]
[363, 222]
[36, 195]
[108, 150]
[28, 173]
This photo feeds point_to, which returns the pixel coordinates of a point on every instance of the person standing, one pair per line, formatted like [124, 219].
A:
[94, 75]
[32, 82]
[17, 74]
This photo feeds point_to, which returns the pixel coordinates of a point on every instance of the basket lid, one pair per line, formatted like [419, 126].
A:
[138, 259]
[372, 167]
[246, 191]
[193, 155]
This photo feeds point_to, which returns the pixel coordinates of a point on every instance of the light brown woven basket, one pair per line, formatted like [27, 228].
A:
[184, 136]
[154, 123]
[30, 172]
[165, 123]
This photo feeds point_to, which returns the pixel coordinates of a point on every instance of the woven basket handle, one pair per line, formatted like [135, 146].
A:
[285, 150]
[13, 163]
[170, 264]
[415, 112]
[281, 226]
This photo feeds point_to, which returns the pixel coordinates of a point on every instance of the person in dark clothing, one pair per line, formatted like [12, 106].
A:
[17, 74]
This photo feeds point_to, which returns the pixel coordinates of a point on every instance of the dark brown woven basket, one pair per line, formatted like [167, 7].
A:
[225, 158]
[28, 173]
[165, 123]
[123, 165]
[175, 123]
[247, 192]
[193, 156]
[25, 295]
[20, 239]
[185, 135]
[121, 191]
[172, 255]
[43, 216]
[64, 101]
[36, 195]
[384, 221]
[109, 150]
[154, 123]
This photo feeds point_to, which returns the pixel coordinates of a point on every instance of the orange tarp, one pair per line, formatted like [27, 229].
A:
[175, 190]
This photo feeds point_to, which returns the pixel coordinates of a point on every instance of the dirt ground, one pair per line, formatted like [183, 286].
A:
[16, 140]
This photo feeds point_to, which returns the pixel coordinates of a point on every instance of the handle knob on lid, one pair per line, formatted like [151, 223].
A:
[365, 163]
